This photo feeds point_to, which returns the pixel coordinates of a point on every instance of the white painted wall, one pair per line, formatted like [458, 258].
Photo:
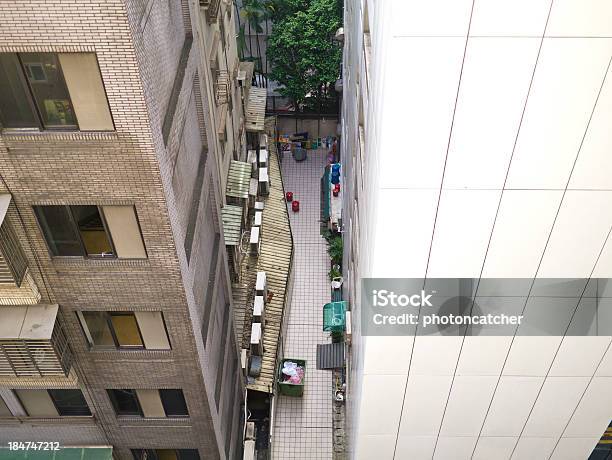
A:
[502, 141]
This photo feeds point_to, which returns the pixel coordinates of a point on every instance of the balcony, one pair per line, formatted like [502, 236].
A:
[32, 343]
[17, 287]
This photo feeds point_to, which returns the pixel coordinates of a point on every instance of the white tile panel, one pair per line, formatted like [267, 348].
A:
[424, 18]
[415, 447]
[458, 248]
[533, 448]
[531, 355]
[509, 17]
[554, 407]
[605, 367]
[593, 413]
[380, 409]
[515, 252]
[494, 87]
[417, 114]
[404, 228]
[579, 356]
[574, 448]
[454, 448]
[467, 405]
[435, 355]
[371, 446]
[511, 404]
[426, 397]
[483, 355]
[593, 168]
[566, 83]
[580, 18]
[498, 448]
[387, 355]
[581, 226]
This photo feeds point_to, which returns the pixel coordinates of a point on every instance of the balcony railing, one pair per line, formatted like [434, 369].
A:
[222, 87]
[36, 353]
[13, 263]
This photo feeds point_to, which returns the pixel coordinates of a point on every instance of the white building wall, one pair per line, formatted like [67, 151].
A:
[487, 153]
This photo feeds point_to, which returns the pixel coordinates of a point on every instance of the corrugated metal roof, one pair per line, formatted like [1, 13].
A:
[232, 223]
[238, 179]
[256, 110]
[330, 355]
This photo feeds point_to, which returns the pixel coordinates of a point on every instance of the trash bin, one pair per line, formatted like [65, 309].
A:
[288, 388]
[299, 154]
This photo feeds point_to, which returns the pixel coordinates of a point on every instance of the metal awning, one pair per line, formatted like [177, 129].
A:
[64, 453]
[232, 224]
[330, 356]
[28, 322]
[5, 201]
[238, 179]
[256, 110]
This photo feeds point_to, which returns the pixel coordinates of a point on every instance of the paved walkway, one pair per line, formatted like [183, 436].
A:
[303, 426]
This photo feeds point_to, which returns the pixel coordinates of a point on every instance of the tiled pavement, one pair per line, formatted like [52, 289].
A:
[303, 426]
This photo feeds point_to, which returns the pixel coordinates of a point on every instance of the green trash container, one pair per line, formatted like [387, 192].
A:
[334, 316]
[287, 388]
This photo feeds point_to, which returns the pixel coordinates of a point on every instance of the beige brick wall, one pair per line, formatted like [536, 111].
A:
[138, 50]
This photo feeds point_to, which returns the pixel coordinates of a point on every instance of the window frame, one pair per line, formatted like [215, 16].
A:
[30, 100]
[75, 227]
[57, 407]
[111, 396]
[108, 318]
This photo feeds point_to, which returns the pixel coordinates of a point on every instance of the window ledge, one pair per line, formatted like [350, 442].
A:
[93, 262]
[60, 420]
[130, 420]
[25, 136]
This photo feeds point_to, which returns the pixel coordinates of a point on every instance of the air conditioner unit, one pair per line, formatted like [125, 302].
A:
[244, 359]
[241, 77]
[259, 311]
[249, 450]
[264, 182]
[256, 339]
[255, 241]
[263, 141]
[250, 431]
[252, 160]
[348, 333]
[252, 192]
[261, 285]
[263, 158]
[258, 219]
[259, 205]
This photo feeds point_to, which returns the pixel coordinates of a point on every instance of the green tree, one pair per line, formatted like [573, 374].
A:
[304, 57]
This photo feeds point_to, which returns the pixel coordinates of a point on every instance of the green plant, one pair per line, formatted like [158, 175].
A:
[335, 249]
[334, 273]
[304, 57]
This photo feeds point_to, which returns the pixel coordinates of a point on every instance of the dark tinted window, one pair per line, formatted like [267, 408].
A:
[125, 402]
[59, 230]
[15, 108]
[188, 454]
[50, 93]
[69, 402]
[173, 402]
[91, 229]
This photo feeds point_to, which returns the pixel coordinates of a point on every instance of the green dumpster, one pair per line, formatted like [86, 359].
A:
[334, 316]
[289, 388]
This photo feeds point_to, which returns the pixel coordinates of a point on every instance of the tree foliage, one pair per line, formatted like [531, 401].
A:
[304, 57]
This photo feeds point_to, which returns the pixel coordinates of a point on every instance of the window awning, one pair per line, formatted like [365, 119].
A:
[5, 201]
[238, 179]
[28, 322]
[64, 453]
[256, 110]
[232, 224]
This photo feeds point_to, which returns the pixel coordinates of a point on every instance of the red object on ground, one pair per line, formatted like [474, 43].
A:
[337, 187]
[295, 206]
[289, 196]
[336, 192]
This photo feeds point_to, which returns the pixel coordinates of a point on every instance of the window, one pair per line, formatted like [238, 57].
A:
[91, 231]
[53, 91]
[141, 329]
[53, 403]
[174, 403]
[149, 403]
[125, 402]
[165, 454]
